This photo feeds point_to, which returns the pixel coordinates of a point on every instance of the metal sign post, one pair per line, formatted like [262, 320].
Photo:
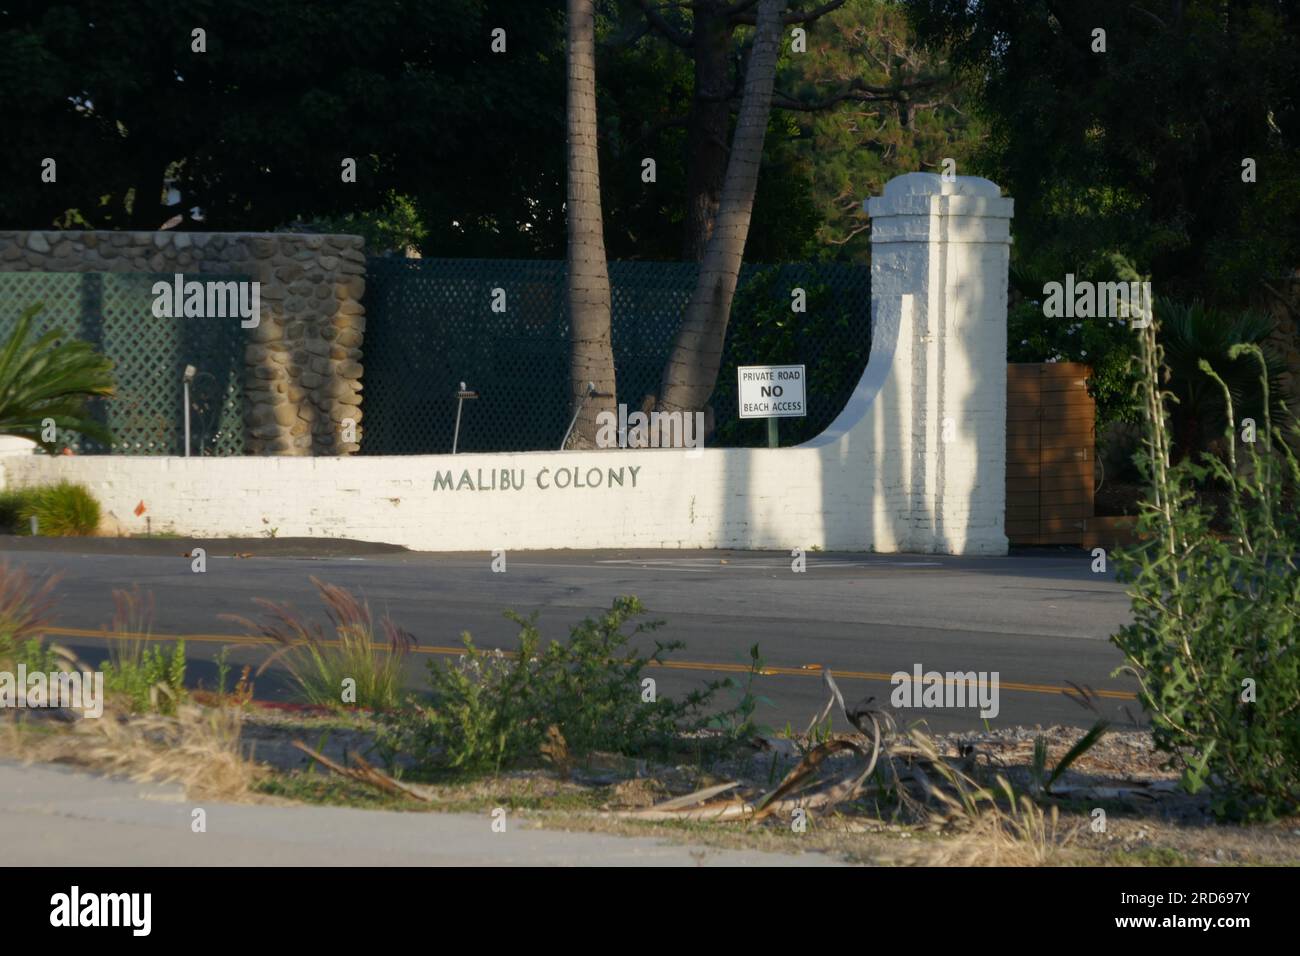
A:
[462, 396]
[772, 392]
[188, 377]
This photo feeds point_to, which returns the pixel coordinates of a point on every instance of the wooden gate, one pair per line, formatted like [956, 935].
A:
[1050, 447]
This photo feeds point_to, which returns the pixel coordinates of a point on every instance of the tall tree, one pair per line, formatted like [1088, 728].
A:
[252, 119]
[591, 353]
[857, 101]
[708, 39]
[1166, 130]
[901, 110]
[692, 367]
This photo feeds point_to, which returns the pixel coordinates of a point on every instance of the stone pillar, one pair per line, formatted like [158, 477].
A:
[304, 359]
[939, 258]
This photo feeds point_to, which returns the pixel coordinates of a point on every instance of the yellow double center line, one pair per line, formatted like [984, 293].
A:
[768, 669]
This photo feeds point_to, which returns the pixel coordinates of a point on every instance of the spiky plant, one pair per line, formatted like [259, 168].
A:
[62, 510]
[319, 666]
[1193, 334]
[26, 610]
[48, 378]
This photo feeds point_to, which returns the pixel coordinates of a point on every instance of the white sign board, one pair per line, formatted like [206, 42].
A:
[771, 391]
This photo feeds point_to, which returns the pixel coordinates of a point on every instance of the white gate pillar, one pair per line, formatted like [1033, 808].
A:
[939, 258]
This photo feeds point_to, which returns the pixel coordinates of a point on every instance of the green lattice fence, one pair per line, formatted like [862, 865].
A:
[430, 326]
[114, 312]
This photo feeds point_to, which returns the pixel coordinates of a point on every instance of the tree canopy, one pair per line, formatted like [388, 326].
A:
[459, 149]
[1133, 140]
[254, 129]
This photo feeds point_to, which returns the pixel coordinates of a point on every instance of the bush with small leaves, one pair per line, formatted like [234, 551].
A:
[492, 709]
[1215, 640]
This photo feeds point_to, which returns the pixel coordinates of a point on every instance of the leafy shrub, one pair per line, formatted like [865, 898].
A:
[1188, 333]
[1105, 345]
[320, 667]
[50, 378]
[14, 503]
[1215, 642]
[150, 679]
[736, 722]
[396, 226]
[66, 509]
[155, 683]
[491, 709]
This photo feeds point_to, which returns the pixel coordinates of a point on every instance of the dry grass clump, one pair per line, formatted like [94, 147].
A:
[199, 748]
[955, 811]
[26, 611]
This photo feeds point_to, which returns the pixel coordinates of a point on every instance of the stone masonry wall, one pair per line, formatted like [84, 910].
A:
[303, 360]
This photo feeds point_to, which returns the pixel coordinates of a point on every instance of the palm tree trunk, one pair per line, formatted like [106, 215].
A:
[692, 368]
[591, 354]
[710, 121]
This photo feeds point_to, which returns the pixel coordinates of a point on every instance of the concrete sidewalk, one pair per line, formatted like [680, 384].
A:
[51, 816]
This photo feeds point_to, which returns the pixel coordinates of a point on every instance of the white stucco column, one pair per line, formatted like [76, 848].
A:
[939, 258]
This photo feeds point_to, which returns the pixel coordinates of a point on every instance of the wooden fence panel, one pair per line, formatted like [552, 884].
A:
[1051, 444]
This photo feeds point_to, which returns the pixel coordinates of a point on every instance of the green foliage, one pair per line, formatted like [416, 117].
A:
[1216, 618]
[737, 722]
[1194, 334]
[1041, 779]
[765, 330]
[1189, 333]
[853, 147]
[395, 227]
[154, 682]
[349, 670]
[65, 509]
[147, 678]
[1106, 345]
[49, 378]
[490, 709]
[821, 158]
[248, 129]
[646, 91]
[14, 503]
[1139, 148]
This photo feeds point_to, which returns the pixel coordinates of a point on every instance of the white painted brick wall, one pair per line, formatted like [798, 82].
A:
[880, 478]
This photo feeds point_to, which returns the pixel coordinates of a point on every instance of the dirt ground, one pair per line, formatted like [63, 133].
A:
[1120, 803]
[1148, 818]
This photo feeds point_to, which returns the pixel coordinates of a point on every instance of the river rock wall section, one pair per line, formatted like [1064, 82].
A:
[303, 360]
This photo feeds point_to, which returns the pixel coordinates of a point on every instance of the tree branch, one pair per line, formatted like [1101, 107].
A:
[857, 230]
[660, 25]
[1147, 13]
[796, 16]
[625, 39]
[856, 91]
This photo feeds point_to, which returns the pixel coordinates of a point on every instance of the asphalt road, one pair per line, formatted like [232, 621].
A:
[1037, 619]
